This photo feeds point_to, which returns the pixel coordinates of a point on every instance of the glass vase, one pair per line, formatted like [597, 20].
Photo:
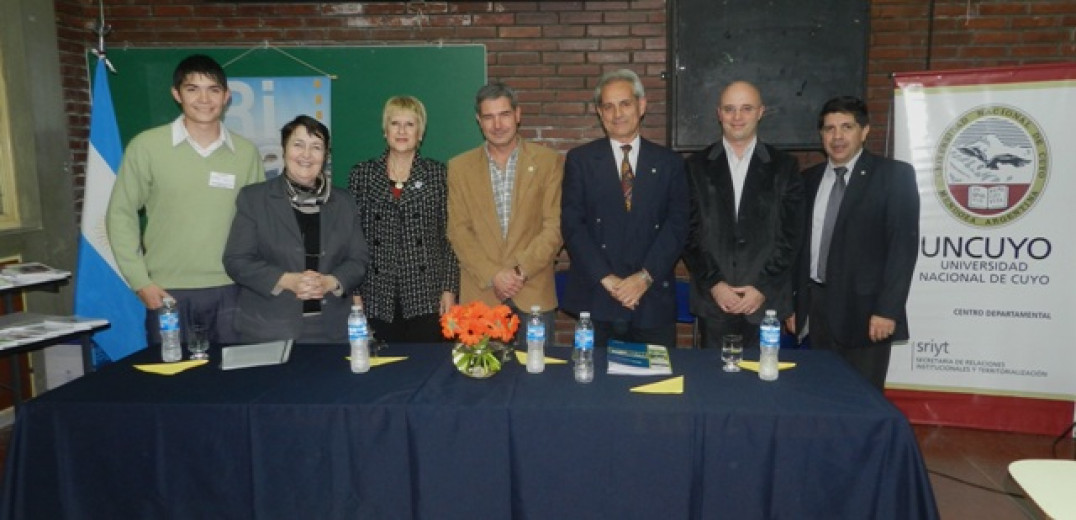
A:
[479, 361]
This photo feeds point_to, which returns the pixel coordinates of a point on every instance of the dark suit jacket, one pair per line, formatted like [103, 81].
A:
[873, 251]
[604, 238]
[265, 243]
[758, 247]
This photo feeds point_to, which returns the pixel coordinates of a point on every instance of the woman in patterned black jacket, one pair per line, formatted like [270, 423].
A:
[413, 275]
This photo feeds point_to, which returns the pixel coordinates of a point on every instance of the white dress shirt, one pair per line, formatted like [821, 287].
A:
[633, 157]
[818, 216]
[738, 169]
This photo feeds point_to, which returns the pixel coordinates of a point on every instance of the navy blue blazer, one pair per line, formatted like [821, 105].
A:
[603, 238]
[872, 253]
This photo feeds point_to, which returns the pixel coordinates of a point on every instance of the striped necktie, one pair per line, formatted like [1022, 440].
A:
[627, 177]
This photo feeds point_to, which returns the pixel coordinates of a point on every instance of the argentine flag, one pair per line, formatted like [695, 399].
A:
[100, 291]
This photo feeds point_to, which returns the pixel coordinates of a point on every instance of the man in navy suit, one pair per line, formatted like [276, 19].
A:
[851, 293]
[624, 218]
[746, 219]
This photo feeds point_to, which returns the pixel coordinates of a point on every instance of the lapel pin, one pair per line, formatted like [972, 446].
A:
[653, 170]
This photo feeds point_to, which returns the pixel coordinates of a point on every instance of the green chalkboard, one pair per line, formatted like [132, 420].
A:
[444, 77]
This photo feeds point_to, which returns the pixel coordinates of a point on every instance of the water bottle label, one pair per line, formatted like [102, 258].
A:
[356, 332]
[536, 333]
[169, 321]
[770, 335]
[584, 339]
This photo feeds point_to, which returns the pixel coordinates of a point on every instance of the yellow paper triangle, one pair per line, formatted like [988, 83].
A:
[384, 360]
[170, 369]
[522, 358]
[381, 360]
[753, 365]
[674, 385]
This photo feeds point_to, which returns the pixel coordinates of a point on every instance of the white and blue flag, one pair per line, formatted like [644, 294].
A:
[100, 291]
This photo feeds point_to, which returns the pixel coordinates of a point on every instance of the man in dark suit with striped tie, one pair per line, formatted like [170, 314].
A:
[624, 218]
[861, 243]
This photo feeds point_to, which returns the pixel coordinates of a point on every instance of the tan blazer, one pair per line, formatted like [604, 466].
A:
[533, 240]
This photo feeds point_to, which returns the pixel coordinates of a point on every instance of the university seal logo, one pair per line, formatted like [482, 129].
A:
[991, 165]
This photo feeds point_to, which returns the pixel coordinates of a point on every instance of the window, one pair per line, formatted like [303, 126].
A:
[9, 197]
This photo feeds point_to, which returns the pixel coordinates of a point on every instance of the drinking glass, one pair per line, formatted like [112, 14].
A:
[731, 352]
[198, 340]
[375, 345]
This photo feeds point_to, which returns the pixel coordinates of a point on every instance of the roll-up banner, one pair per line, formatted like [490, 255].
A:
[992, 308]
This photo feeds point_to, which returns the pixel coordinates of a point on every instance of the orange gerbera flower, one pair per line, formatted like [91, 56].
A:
[475, 323]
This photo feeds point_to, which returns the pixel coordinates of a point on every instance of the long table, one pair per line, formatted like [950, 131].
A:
[416, 439]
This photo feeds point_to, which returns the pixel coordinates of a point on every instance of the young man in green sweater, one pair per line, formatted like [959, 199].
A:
[185, 175]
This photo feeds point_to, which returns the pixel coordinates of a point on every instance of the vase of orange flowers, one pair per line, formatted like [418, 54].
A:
[481, 333]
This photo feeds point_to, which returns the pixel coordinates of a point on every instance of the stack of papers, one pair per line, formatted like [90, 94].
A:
[638, 359]
[27, 327]
[32, 272]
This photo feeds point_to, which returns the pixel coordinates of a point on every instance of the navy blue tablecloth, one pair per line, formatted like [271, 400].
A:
[415, 439]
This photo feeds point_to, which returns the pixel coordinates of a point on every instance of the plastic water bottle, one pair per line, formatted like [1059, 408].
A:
[168, 316]
[535, 341]
[584, 349]
[769, 341]
[358, 334]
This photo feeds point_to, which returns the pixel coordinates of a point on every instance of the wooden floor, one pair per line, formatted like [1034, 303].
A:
[968, 468]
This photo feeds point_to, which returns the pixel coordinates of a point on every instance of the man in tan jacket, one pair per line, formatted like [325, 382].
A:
[504, 213]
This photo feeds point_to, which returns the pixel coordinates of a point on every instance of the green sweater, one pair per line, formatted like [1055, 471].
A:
[189, 202]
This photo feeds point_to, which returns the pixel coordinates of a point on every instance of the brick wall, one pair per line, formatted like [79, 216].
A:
[966, 34]
[554, 51]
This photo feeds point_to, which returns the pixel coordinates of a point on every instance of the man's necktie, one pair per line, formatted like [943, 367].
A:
[627, 177]
[832, 208]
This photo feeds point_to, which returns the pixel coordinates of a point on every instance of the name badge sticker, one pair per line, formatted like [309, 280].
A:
[222, 180]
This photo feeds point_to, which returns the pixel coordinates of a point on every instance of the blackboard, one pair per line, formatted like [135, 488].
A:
[444, 77]
[798, 53]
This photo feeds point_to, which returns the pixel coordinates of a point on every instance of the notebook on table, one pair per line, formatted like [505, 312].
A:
[255, 355]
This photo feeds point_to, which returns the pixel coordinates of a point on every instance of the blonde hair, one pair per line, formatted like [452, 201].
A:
[401, 104]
